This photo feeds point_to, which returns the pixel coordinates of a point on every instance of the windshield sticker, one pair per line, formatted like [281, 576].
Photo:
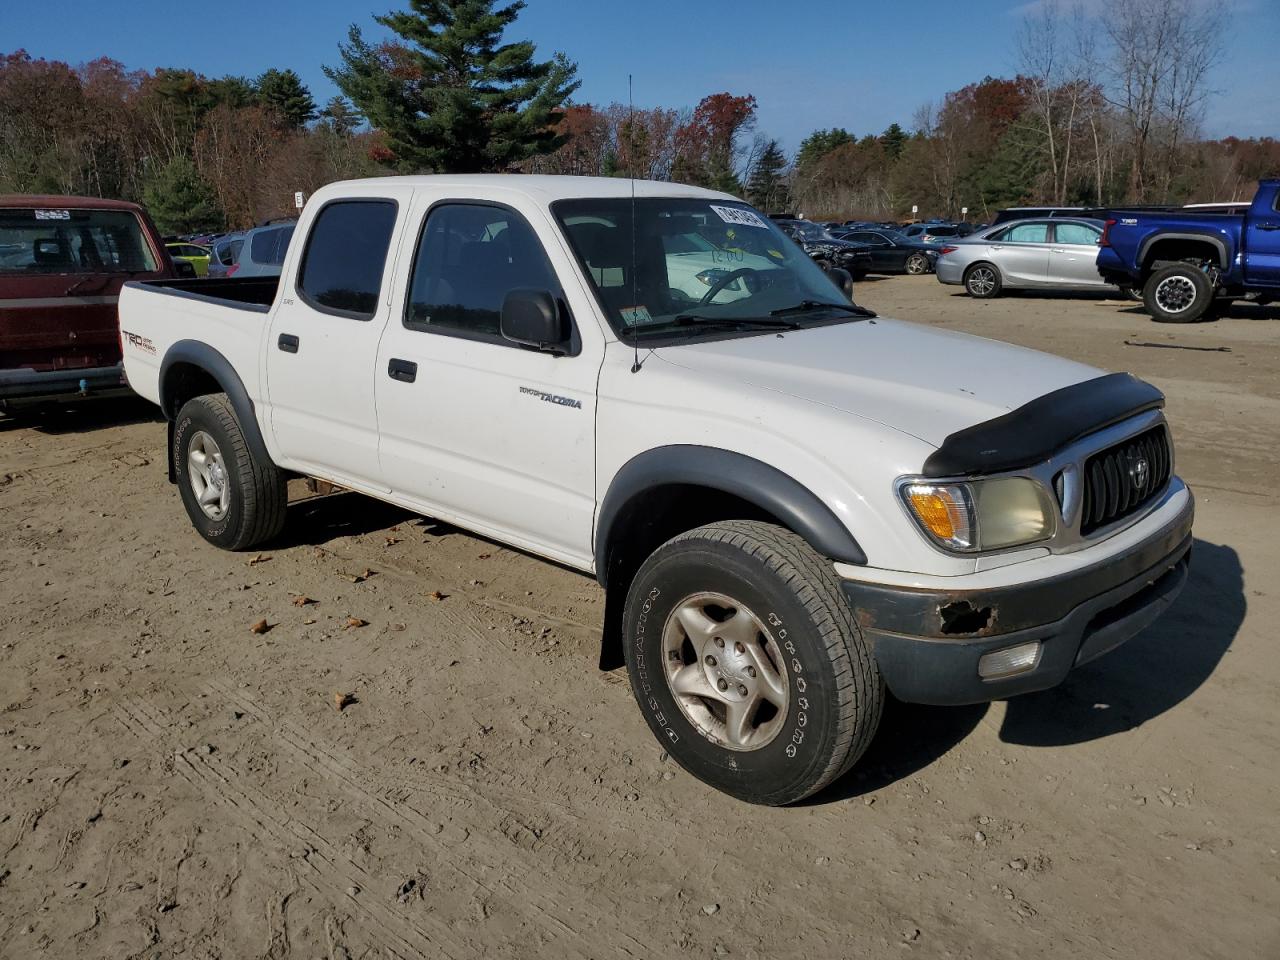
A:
[53, 214]
[744, 218]
[634, 315]
[776, 254]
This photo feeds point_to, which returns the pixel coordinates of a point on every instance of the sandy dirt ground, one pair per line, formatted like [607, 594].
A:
[173, 784]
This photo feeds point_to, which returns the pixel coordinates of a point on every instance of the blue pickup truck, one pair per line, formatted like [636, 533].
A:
[1186, 263]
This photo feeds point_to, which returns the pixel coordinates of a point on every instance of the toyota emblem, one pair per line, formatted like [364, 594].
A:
[1139, 470]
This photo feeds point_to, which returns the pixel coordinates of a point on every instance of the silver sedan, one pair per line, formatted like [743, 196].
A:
[1025, 254]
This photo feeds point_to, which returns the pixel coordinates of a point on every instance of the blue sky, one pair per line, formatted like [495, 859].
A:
[860, 64]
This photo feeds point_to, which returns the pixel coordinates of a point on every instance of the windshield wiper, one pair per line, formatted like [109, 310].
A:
[806, 305]
[698, 319]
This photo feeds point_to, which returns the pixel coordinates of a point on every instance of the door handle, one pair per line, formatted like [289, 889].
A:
[406, 371]
[288, 343]
[1269, 226]
[1057, 250]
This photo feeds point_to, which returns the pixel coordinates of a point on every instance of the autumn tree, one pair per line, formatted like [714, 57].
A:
[707, 145]
[449, 95]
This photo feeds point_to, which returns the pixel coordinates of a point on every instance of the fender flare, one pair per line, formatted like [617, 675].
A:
[219, 367]
[752, 480]
[1210, 238]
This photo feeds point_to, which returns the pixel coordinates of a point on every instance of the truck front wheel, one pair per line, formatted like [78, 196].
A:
[1178, 293]
[234, 500]
[747, 662]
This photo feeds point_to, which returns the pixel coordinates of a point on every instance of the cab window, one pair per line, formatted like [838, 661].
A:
[470, 256]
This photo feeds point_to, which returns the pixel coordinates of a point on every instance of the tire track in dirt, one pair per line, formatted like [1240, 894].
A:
[329, 871]
[519, 861]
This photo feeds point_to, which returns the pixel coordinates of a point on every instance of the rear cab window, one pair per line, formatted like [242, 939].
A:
[55, 241]
[345, 256]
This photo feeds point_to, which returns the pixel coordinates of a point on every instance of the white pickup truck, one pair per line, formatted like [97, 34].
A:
[793, 505]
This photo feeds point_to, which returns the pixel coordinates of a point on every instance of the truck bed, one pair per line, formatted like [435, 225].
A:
[244, 293]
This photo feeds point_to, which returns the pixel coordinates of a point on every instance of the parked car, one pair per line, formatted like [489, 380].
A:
[819, 244]
[792, 509]
[192, 253]
[931, 232]
[1187, 262]
[225, 255]
[262, 252]
[1025, 254]
[62, 263]
[894, 253]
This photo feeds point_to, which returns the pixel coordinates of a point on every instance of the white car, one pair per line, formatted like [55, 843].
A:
[793, 506]
[1053, 253]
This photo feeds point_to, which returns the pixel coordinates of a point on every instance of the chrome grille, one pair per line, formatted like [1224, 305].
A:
[1119, 480]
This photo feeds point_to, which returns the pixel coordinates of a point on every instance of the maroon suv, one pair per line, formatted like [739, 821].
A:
[62, 263]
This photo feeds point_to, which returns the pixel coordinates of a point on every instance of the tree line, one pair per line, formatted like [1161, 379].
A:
[1101, 111]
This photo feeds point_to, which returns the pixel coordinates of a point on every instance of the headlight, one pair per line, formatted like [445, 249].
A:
[980, 514]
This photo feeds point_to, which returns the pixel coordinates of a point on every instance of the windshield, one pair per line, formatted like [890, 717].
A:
[72, 241]
[693, 259]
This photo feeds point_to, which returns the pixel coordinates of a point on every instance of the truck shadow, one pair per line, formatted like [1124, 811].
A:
[81, 416]
[316, 520]
[1152, 673]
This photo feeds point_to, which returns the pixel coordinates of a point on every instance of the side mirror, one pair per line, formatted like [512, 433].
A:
[843, 279]
[532, 318]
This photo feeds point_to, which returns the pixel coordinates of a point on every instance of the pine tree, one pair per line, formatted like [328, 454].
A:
[821, 142]
[340, 116]
[284, 92]
[180, 201]
[767, 188]
[893, 139]
[451, 97]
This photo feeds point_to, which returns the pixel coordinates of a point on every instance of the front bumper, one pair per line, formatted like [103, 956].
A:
[927, 643]
[28, 386]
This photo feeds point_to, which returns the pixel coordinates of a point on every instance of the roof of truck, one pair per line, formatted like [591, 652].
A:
[44, 201]
[544, 188]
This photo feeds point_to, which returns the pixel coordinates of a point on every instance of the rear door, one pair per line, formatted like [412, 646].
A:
[1073, 255]
[884, 255]
[60, 277]
[323, 341]
[1262, 244]
[475, 428]
[1022, 254]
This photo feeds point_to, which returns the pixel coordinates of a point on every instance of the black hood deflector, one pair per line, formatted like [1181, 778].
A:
[1035, 431]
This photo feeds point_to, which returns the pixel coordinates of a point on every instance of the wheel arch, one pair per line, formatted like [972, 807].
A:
[1181, 246]
[669, 490]
[192, 369]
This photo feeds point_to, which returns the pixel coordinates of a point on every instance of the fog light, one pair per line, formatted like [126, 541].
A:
[1010, 661]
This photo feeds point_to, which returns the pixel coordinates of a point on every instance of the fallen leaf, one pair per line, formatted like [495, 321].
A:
[392, 541]
[260, 558]
[309, 620]
[437, 595]
[395, 529]
[343, 700]
[260, 627]
[352, 577]
[301, 601]
[485, 556]
[367, 573]
[353, 622]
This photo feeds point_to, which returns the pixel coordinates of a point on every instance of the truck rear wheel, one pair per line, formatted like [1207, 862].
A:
[234, 500]
[1178, 293]
[747, 662]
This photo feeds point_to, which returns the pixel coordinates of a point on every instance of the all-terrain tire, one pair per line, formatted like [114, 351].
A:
[834, 694]
[983, 281]
[1179, 293]
[256, 493]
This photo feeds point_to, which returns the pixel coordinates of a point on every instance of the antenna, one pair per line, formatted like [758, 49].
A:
[631, 172]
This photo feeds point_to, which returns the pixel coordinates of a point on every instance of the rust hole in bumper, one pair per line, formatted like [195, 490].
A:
[960, 617]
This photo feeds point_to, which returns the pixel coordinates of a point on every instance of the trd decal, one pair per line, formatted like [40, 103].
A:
[142, 343]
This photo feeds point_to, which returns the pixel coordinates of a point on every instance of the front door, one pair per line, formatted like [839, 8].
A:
[324, 339]
[1073, 255]
[474, 428]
